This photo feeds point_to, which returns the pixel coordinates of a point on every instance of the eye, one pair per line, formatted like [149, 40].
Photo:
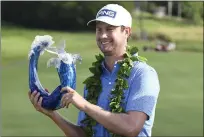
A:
[98, 29]
[110, 29]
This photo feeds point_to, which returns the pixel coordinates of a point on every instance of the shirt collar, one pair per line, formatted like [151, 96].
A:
[106, 72]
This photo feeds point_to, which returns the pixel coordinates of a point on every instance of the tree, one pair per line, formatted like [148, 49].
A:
[61, 15]
[192, 10]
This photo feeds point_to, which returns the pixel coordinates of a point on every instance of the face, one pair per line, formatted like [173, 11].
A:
[111, 40]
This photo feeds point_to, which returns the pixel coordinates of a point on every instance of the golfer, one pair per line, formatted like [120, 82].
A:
[115, 102]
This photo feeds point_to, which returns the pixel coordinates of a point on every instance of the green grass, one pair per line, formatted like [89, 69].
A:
[179, 110]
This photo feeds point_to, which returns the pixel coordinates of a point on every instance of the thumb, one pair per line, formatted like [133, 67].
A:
[67, 89]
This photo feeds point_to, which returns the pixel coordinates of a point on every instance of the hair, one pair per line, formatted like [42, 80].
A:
[122, 29]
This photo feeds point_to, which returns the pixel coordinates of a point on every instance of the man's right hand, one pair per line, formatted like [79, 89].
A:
[67, 127]
[38, 102]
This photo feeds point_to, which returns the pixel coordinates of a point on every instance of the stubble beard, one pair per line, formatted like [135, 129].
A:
[105, 52]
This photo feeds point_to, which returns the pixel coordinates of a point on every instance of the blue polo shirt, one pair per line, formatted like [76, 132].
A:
[141, 95]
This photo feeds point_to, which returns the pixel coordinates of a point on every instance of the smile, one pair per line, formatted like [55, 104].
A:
[105, 42]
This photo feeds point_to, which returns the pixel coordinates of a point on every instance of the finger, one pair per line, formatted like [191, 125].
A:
[35, 101]
[46, 90]
[38, 105]
[64, 99]
[40, 102]
[33, 95]
[67, 104]
[68, 100]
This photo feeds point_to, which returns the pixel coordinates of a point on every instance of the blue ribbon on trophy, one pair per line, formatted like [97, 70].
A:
[65, 64]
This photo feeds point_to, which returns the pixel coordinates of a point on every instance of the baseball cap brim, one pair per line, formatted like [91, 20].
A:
[92, 23]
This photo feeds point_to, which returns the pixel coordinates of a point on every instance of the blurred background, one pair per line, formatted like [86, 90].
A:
[168, 33]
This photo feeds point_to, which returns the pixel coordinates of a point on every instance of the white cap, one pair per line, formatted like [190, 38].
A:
[113, 14]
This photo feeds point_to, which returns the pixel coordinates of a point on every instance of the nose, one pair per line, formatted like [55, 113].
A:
[103, 35]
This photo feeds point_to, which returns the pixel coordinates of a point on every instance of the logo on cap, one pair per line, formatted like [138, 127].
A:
[107, 12]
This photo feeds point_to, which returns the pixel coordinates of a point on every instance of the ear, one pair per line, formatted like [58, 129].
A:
[128, 31]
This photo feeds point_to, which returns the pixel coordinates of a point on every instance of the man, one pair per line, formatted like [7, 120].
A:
[113, 28]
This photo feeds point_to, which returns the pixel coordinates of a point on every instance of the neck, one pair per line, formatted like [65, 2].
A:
[110, 61]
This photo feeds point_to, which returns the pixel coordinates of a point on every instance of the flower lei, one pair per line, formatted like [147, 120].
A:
[94, 87]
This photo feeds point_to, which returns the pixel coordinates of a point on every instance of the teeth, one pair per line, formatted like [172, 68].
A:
[104, 42]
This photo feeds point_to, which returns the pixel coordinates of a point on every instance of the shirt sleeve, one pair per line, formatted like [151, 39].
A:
[144, 90]
[81, 114]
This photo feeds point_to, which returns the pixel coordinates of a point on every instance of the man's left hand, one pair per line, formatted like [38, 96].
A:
[72, 97]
